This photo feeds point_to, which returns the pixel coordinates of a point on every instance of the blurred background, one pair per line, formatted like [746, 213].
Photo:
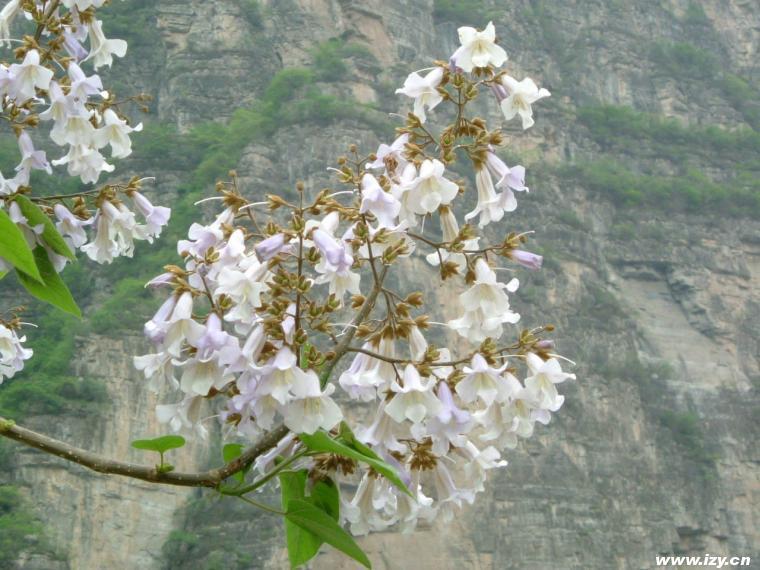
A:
[643, 168]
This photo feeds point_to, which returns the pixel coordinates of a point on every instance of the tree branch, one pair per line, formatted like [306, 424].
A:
[101, 464]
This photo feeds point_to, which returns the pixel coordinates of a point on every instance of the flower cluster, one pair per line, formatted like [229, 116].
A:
[48, 84]
[271, 296]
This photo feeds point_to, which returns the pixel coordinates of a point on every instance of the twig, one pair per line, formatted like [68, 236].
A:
[101, 464]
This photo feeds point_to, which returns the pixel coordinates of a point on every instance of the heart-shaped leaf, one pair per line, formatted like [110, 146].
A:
[160, 444]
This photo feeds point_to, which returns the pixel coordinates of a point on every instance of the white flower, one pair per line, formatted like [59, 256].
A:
[541, 383]
[31, 159]
[12, 353]
[384, 433]
[279, 376]
[410, 509]
[363, 512]
[477, 462]
[312, 408]
[489, 207]
[178, 325]
[7, 15]
[82, 5]
[486, 306]
[521, 96]
[10, 185]
[157, 369]
[116, 132]
[86, 162]
[156, 217]
[478, 49]
[363, 377]
[244, 284]
[424, 91]
[509, 179]
[199, 376]
[184, 416]
[393, 154]
[116, 232]
[497, 421]
[414, 400]
[448, 426]
[486, 383]
[448, 495]
[285, 448]
[70, 226]
[155, 328]
[212, 343]
[424, 193]
[27, 77]
[58, 109]
[335, 265]
[203, 238]
[81, 85]
[383, 205]
[102, 50]
[76, 129]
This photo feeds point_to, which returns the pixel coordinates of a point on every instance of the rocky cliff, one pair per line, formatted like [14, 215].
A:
[642, 168]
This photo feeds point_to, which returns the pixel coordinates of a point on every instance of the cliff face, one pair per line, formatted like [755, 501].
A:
[656, 448]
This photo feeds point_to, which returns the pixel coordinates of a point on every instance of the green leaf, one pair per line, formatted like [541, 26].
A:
[3, 274]
[160, 444]
[302, 544]
[321, 441]
[326, 495]
[232, 451]
[350, 440]
[50, 287]
[14, 249]
[322, 525]
[50, 234]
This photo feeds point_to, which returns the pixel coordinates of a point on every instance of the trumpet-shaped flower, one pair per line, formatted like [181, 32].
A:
[486, 306]
[391, 157]
[312, 408]
[489, 207]
[70, 226]
[425, 192]
[448, 427]
[102, 50]
[381, 204]
[27, 77]
[116, 133]
[541, 384]
[12, 353]
[520, 99]
[7, 15]
[485, 383]
[478, 49]
[415, 400]
[156, 217]
[424, 91]
[86, 162]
